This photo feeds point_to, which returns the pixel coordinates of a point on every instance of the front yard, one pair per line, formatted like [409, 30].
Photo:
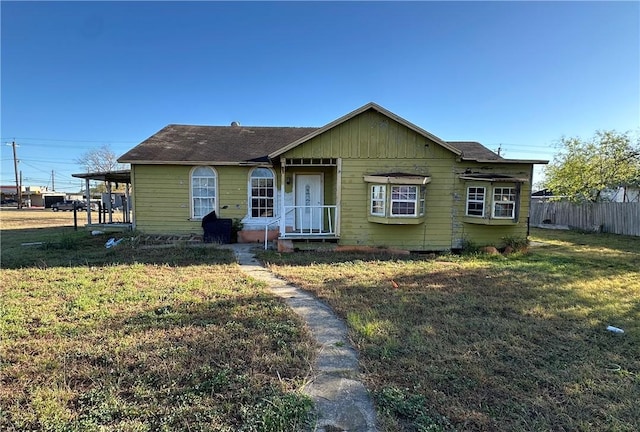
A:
[141, 339]
[138, 339]
[491, 342]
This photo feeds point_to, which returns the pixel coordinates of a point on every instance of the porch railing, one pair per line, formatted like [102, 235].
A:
[319, 220]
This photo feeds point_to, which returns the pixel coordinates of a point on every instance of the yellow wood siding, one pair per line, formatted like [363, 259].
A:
[369, 143]
[372, 143]
[162, 197]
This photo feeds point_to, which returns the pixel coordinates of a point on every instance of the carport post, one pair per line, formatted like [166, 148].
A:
[86, 186]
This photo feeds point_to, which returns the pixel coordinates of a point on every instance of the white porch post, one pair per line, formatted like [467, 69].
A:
[109, 208]
[338, 194]
[86, 185]
[283, 179]
[127, 199]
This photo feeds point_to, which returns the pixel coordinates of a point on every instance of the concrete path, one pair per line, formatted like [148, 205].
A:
[342, 401]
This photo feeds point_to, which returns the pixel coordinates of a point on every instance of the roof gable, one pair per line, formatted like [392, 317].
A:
[352, 114]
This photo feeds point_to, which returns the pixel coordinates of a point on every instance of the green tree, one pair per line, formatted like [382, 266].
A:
[584, 169]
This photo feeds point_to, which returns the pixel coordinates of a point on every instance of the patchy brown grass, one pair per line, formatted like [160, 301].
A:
[133, 339]
[485, 343]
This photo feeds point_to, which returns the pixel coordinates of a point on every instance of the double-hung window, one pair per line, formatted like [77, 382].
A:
[262, 193]
[504, 202]
[475, 201]
[378, 200]
[405, 200]
[203, 191]
[397, 198]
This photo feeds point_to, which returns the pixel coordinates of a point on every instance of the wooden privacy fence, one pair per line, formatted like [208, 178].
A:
[610, 217]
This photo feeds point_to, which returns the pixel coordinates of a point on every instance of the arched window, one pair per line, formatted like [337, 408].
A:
[203, 191]
[262, 193]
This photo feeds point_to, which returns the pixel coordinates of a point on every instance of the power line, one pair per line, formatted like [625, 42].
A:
[106, 141]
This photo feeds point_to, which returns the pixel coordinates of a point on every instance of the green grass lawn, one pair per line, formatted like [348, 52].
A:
[486, 343]
[143, 339]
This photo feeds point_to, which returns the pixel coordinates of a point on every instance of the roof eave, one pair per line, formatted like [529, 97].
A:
[216, 163]
[507, 161]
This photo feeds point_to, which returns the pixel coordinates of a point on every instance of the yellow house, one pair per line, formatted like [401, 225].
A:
[368, 178]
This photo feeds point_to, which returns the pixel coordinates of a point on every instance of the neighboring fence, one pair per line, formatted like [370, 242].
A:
[610, 217]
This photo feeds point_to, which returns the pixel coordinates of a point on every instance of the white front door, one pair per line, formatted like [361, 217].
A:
[309, 201]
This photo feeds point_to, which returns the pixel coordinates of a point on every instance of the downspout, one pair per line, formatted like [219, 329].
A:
[530, 199]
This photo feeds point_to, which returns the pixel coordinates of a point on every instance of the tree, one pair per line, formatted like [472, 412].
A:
[102, 159]
[582, 170]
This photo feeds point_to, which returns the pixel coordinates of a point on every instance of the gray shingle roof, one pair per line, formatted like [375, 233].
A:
[472, 150]
[209, 144]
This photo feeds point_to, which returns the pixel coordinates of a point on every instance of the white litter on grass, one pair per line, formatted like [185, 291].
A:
[96, 232]
[615, 329]
[112, 242]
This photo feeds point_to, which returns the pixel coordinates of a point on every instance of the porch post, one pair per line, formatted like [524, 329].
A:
[86, 185]
[338, 194]
[283, 179]
[110, 209]
[125, 207]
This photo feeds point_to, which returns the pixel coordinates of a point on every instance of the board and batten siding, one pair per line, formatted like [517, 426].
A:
[162, 197]
[372, 143]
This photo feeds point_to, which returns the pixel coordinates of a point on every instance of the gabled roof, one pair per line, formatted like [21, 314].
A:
[354, 113]
[238, 145]
[474, 151]
[230, 145]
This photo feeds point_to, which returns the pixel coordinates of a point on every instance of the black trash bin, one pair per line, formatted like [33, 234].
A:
[216, 230]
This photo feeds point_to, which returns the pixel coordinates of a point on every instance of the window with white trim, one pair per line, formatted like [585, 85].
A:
[203, 191]
[475, 201]
[378, 199]
[504, 202]
[262, 193]
[404, 201]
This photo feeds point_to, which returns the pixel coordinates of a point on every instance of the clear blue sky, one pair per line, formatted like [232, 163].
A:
[520, 75]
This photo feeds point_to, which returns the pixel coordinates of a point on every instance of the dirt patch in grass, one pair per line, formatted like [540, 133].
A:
[491, 342]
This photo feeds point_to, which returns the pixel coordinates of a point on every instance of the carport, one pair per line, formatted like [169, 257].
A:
[110, 178]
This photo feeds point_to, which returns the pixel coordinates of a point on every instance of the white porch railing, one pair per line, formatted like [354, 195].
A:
[266, 232]
[319, 220]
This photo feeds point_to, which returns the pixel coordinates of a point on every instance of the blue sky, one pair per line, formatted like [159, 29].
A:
[519, 75]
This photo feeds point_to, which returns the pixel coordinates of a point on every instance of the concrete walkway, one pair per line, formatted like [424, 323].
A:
[342, 402]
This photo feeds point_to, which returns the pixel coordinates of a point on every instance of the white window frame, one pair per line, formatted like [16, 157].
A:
[402, 192]
[475, 200]
[273, 190]
[378, 196]
[196, 194]
[504, 196]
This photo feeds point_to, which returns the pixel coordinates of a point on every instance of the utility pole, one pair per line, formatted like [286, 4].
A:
[53, 182]
[15, 168]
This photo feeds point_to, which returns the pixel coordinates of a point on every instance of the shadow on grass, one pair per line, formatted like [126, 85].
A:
[617, 242]
[64, 247]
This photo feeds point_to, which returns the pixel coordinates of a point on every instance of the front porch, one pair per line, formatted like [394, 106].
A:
[310, 199]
